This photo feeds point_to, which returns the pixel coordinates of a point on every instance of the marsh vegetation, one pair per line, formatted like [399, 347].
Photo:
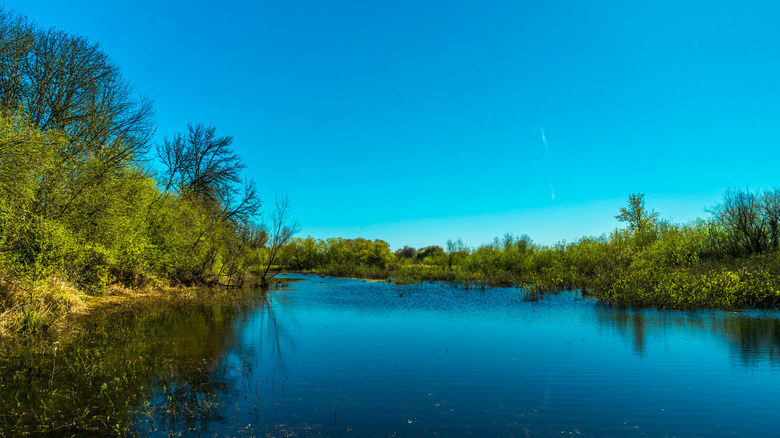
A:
[728, 261]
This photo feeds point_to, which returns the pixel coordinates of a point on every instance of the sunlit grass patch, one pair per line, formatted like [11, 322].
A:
[40, 307]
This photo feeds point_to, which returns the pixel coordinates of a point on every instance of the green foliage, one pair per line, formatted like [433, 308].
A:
[352, 255]
[79, 205]
[118, 228]
[305, 254]
[651, 264]
[681, 289]
[407, 252]
[430, 254]
[638, 218]
[340, 257]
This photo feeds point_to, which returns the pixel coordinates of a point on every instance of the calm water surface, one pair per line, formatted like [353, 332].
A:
[338, 357]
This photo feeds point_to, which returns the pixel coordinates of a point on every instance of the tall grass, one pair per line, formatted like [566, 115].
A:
[39, 308]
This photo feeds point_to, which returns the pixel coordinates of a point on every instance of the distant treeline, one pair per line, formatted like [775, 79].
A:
[87, 202]
[730, 260]
[339, 257]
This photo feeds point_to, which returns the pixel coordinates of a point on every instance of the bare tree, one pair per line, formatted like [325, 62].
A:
[279, 232]
[770, 204]
[241, 254]
[202, 170]
[750, 220]
[17, 38]
[201, 166]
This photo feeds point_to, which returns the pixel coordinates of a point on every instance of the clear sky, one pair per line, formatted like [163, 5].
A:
[419, 121]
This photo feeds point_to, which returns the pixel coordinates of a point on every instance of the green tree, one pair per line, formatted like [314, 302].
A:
[65, 85]
[304, 254]
[639, 219]
[30, 241]
[407, 252]
[456, 251]
[430, 252]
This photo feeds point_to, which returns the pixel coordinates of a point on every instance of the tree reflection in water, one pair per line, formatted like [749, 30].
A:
[204, 398]
[752, 336]
[150, 368]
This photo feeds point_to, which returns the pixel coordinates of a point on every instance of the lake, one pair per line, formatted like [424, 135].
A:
[341, 357]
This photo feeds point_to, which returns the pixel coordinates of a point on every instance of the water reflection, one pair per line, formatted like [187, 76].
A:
[156, 365]
[376, 360]
[337, 357]
[753, 337]
[215, 396]
[272, 338]
[629, 324]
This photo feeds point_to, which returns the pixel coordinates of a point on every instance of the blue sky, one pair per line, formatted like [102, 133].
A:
[420, 121]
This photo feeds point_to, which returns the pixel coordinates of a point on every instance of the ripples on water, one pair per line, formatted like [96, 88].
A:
[339, 357]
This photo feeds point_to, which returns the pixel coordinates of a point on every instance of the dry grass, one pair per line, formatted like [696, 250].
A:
[52, 301]
[40, 308]
[5, 324]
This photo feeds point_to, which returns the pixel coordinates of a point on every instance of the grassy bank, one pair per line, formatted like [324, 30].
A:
[54, 305]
